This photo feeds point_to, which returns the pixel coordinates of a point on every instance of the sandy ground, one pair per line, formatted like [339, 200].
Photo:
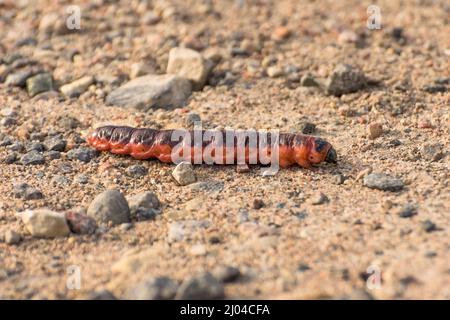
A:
[289, 248]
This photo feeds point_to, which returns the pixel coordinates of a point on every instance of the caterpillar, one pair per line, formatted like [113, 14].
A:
[245, 146]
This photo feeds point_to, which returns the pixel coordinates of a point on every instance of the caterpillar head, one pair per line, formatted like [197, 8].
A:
[321, 150]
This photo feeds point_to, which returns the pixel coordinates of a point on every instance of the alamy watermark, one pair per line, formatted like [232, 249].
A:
[73, 20]
[73, 281]
[227, 146]
[374, 279]
[374, 17]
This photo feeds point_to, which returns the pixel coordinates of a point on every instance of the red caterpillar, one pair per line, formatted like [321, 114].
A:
[151, 143]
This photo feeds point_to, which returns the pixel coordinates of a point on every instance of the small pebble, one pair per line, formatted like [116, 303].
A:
[109, 206]
[258, 204]
[338, 179]
[383, 181]
[45, 223]
[32, 158]
[39, 83]
[11, 237]
[274, 71]
[55, 144]
[82, 154]
[345, 79]
[242, 168]
[137, 170]
[10, 158]
[307, 127]
[428, 226]
[26, 192]
[281, 33]
[144, 206]
[318, 199]
[432, 152]
[407, 211]
[53, 155]
[184, 174]
[308, 80]
[374, 130]
[80, 223]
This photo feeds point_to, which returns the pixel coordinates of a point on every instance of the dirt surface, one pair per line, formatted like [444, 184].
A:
[299, 244]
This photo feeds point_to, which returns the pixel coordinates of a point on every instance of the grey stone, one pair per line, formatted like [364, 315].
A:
[53, 155]
[36, 146]
[18, 78]
[383, 181]
[55, 144]
[10, 158]
[109, 207]
[345, 79]
[428, 226]
[407, 211]
[26, 192]
[152, 91]
[39, 83]
[308, 80]
[432, 152]
[202, 287]
[137, 170]
[158, 288]
[82, 154]
[32, 158]
[144, 206]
